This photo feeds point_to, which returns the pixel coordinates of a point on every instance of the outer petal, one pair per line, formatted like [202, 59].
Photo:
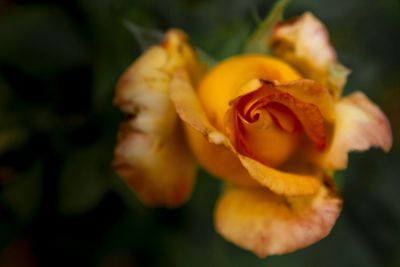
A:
[209, 145]
[267, 224]
[283, 183]
[160, 172]
[360, 124]
[216, 159]
[304, 43]
[150, 155]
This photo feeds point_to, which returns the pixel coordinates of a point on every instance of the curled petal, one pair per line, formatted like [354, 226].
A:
[311, 92]
[304, 43]
[265, 124]
[360, 124]
[237, 76]
[223, 160]
[280, 182]
[209, 145]
[189, 108]
[268, 224]
[150, 154]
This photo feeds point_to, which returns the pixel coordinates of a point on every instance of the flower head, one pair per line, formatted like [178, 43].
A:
[273, 126]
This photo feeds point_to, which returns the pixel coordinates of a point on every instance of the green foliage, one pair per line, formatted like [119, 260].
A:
[144, 37]
[258, 41]
[83, 181]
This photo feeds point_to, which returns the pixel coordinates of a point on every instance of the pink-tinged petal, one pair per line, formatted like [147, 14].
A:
[304, 43]
[150, 154]
[360, 125]
[268, 224]
[161, 172]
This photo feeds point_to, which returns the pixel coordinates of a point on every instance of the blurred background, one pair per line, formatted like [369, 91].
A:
[62, 205]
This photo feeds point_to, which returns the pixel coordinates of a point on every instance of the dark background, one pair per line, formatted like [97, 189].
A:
[62, 205]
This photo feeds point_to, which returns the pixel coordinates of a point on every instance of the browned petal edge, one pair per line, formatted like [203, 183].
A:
[360, 125]
[149, 153]
[267, 224]
[304, 43]
[161, 174]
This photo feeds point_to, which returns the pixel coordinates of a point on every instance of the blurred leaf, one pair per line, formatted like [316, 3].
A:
[126, 194]
[83, 181]
[112, 49]
[206, 58]
[12, 137]
[339, 178]
[23, 193]
[258, 41]
[232, 40]
[144, 36]
[39, 39]
[147, 37]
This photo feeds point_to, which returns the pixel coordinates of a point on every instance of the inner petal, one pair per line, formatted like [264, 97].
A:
[268, 124]
[266, 141]
[283, 117]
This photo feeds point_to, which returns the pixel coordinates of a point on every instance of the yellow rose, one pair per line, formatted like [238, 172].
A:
[273, 128]
[150, 154]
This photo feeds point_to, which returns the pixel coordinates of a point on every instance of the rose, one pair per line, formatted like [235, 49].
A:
[274, 128]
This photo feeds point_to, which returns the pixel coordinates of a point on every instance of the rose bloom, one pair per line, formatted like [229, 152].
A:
[274, 129]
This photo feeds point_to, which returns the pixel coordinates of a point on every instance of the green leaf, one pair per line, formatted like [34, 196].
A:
[83, 182]
[144, 36]
[40, 40]
[205, 57]
[257, 42]
[23, 193]
[12, 137]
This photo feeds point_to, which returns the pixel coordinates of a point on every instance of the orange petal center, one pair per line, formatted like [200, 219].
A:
[268, 124]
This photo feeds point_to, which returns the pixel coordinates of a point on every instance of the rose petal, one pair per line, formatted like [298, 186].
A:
[161, 172]
[311, 92]
[256, 118]
[304, 43]
[150, 154]
[209, 145]
[280, 182]
[360, 124]
[188, 107]
[267, 224]
[222, 162]
[219, 160]
[237, 76]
